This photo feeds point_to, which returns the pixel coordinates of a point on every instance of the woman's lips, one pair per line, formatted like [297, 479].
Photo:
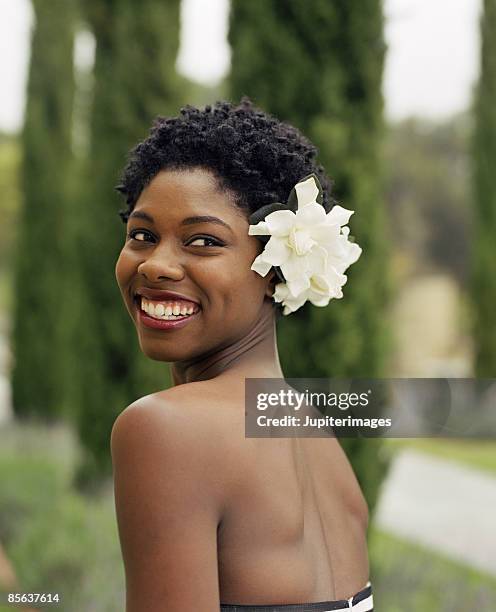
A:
[164, 324]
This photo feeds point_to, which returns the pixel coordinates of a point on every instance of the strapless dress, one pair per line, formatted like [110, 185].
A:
[360, 602]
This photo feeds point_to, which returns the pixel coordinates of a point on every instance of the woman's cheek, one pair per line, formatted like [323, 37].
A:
[124, 268]
[118, 269]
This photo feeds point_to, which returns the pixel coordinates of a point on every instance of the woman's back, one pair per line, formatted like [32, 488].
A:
[295, 520]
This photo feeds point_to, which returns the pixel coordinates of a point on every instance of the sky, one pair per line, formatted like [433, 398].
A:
[430, 69]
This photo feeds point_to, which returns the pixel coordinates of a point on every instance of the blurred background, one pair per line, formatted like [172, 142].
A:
[399, 97]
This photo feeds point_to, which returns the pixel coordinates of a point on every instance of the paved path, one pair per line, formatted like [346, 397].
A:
[442, 505]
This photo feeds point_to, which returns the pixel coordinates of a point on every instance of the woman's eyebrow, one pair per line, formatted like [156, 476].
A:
[138, 214]
[204, 219]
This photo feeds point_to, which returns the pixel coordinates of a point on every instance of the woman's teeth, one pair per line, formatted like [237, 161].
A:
[167, 310]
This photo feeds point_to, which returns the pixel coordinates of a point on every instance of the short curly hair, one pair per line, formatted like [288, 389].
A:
[255, 156]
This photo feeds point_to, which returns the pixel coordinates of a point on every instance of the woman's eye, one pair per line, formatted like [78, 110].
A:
[135, 233]
[205, 239]
[139, 235]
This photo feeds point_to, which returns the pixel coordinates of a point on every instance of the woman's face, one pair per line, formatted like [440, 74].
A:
[186, 236]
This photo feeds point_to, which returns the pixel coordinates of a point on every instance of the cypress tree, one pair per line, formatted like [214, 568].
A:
[484, 158]
[319, 66]
[39, 256]
[134, 80]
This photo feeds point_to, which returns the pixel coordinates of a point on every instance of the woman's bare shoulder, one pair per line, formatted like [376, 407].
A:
[171, 414]
[170, 495]
[201, 405]
[191, 419]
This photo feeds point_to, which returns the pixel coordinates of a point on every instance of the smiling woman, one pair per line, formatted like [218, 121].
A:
[209, 519]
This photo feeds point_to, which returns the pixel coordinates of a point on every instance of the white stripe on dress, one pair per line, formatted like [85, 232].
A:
[366, 605]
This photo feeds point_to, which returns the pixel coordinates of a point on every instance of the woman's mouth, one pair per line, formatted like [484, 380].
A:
[165, 314]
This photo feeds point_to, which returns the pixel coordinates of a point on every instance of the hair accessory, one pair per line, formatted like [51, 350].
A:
[307, 244]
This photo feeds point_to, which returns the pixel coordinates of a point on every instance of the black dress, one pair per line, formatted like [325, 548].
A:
[360, 602]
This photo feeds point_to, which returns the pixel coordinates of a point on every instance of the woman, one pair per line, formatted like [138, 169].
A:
[209, 519]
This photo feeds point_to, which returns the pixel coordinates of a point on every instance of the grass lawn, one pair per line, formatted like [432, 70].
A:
[410, 578]
[57, 539]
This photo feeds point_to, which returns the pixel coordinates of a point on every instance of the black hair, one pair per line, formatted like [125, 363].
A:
[258, 158]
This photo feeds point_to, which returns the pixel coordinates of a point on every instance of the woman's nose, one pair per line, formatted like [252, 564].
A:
[161, 265]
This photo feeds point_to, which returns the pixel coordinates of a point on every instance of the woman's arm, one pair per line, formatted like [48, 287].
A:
[168, 505]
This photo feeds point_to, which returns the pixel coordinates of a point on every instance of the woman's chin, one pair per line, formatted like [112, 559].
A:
[159, 351]
[161, 354]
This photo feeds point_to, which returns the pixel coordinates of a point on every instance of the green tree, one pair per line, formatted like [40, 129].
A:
[10, 157]
[134, 81]
[319, 66]
[484, 159]
[39, 256]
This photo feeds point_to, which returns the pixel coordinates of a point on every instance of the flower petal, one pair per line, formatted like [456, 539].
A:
[316, 260]
[312, 214]
[339, 215]
[294, 267]
[300, 241]
[260, 265]
[319, 284]
[260, 229]
[281, 292]
[276, 251]
[320, 301]
[325, 233]
[290, 303]
[306, 192]
[336, 281]
[354, 252]
[298, 285]
[280, 222]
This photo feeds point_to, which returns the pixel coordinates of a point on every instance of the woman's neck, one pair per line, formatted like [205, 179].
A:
[254, 355]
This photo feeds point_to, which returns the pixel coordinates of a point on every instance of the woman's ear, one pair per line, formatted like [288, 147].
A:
[271, 285]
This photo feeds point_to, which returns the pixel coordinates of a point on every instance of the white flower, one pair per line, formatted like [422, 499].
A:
[310, 247]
